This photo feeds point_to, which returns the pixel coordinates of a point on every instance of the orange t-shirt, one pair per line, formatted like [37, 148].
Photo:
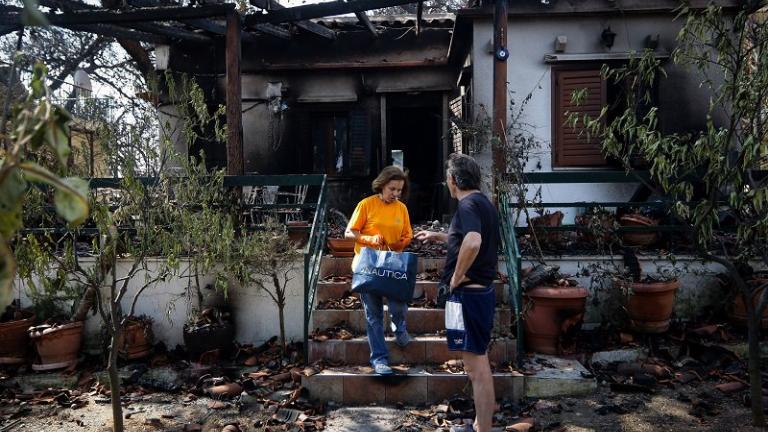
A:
[374, 216]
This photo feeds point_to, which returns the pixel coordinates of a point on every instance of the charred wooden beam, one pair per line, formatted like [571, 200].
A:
[363, 18]
[319, 10]
[4, 30]
[169, 32]
[419, 14]
[233, 54]
[120, 32]
[304, 25]
[109, 16]
[212, 26]
[273, 30]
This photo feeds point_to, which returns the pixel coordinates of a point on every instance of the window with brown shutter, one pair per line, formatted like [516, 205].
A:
[571, 147]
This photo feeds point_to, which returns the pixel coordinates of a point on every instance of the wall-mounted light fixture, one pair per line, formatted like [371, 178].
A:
[607, 37]
[652, 42]
[560, 43]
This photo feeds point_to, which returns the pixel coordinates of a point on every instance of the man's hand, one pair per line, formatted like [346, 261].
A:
[455, 282]
[430, 236]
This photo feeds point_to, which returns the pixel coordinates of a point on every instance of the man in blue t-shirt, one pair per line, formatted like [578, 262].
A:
[470, 269]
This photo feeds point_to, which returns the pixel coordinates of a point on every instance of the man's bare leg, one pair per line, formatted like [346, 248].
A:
[479, 370]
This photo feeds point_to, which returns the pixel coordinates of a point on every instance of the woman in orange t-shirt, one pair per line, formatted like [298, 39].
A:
[381, 221]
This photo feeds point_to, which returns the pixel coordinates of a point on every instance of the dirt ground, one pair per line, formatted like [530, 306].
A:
[698, 407]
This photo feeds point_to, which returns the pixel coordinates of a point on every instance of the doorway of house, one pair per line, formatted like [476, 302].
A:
[415, 127]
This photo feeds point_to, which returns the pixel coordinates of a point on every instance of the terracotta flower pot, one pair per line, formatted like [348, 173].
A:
[738, 310]
[638, 238]
[650, 305]
[549, 312]
[298, 232]
[341, 247]
[58, 345]
[14, 339]
[552, 238]
[136, 339]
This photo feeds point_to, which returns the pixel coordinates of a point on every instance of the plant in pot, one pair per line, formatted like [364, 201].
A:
[209, 329]
[634, 237]
[650, 299]
[136, 339]
[55, 296]
[337, 243]
[737, 310]
[547, 239]
[597, 227]
[37, 129]
[14, 338]
[553, 307]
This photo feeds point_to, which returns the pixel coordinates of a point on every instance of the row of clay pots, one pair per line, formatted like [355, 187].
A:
[550, 311]
[58, 346]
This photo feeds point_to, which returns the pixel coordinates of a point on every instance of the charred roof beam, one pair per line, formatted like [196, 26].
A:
[304, 25]
[363, 18]
[120, 32]
[126, 16]
[212, 26]
[319, 10]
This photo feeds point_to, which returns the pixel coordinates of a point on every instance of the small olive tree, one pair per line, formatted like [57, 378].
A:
[714, 174]
[268, 259]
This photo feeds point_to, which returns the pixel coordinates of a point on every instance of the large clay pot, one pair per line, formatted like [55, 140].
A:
[638, 238]
[136, 339]
[650, 305]
[204, 338]
[549, 312]
[550, 238]
[738, 310]
[58, 345]
[341, 247]
[14, 339]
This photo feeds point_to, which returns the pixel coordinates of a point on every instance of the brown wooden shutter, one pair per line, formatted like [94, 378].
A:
[571, 146]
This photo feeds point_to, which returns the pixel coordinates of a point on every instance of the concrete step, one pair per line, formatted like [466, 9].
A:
[347, 386]
[422, 350]
[545, 377]
[329, 290]
[419, 320]
[338, 266]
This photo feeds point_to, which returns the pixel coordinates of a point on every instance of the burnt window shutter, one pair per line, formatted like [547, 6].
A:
[456, 107]
[572, 147]
[360, 142]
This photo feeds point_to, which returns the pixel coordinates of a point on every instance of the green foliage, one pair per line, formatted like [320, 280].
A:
[709, 173]
[37, 126]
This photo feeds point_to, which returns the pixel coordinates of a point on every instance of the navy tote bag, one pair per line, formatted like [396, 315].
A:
[385, 273]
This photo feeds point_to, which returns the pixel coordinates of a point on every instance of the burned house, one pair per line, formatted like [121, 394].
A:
[344, 106]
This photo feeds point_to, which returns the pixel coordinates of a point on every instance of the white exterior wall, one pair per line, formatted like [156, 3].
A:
[529, 39]
[169, 303]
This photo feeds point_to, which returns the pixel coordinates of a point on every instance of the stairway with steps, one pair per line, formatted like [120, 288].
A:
[419, 377]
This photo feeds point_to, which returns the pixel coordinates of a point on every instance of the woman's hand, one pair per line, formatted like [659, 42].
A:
[375, 240]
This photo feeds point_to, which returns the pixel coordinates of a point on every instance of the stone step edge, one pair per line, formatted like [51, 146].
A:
[416, 338]
[411, 374]
[502, 307]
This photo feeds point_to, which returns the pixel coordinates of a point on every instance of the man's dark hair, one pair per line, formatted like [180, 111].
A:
[464, 170]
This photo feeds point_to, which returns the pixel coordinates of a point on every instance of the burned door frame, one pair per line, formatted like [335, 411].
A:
[434, 99]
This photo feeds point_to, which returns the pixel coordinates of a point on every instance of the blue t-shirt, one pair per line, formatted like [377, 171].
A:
[477, 214]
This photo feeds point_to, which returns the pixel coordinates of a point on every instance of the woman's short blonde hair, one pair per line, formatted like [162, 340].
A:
[387, 175]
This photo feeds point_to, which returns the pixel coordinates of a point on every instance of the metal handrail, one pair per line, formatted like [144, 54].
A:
[313, 256]
[513, 263]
